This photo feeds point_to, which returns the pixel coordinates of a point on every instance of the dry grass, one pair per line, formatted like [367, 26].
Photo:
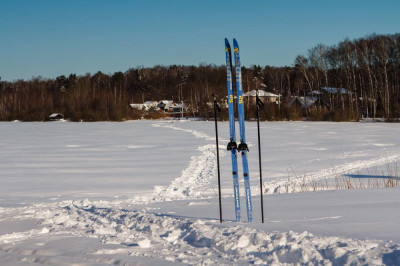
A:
[372, 180]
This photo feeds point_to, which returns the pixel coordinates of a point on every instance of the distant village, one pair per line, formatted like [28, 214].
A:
[325, 98]
[169, 108]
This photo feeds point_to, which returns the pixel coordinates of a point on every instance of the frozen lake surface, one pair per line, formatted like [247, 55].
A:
[146, 192]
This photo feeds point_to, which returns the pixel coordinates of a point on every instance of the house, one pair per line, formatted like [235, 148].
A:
[335, 97]
[150, 105]
[167, 107]
[56, 117]
[303, 102]
[266, 97]
[336, 90]
[306, 102]
[177, 110]
[314, 93]
[146, 106]
[137, 106]
[222, 103]
[165, 104]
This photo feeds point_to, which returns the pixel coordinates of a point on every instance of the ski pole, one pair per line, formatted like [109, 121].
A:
[260, 104]
[217, 109]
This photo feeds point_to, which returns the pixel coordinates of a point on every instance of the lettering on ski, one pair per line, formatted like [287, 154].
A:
[242, 147]
[232, 144]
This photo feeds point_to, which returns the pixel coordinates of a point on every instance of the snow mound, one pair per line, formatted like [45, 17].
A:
[197, 241]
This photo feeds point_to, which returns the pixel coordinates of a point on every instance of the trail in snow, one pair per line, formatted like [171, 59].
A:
[294, 183]
[192, 241]
[195, 133]
[194, 181]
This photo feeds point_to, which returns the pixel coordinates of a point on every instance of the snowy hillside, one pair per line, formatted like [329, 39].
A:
[145, 192]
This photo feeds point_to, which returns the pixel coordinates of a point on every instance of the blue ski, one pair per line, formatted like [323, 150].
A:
[242, 147]
[232, 136]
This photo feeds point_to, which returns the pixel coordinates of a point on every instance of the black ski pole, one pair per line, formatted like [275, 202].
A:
[260, 105]
[217, 109]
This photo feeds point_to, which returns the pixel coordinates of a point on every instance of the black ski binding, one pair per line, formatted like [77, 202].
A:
[243, 147]
[231, 145]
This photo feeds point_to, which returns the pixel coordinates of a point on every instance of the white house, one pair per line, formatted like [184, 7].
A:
[263, 95]
[165, 104]
[146, 106]
[56, 116]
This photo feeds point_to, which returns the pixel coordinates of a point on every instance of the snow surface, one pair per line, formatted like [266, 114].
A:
[145, 193]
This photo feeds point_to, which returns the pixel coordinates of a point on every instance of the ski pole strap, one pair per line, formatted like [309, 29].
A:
[216, 105]
[260, 104]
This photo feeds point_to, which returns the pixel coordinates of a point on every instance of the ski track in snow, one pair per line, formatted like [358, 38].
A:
[196, 133]
[323, 175]
[194, 183]
[188, 241]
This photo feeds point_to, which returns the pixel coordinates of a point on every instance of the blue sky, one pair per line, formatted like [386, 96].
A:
[51, 38]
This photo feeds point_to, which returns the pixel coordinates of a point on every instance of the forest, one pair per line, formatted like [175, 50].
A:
[368, 67]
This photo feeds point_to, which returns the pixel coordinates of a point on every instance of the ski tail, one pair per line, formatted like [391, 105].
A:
[242, 147]
[232, 143]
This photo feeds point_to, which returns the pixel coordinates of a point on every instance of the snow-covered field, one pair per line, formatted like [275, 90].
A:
[145, 193]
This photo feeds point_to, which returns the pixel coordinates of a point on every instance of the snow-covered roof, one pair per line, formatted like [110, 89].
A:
[55, 115]
[261, 93]
[144, 106]
[139, 106]
[180, 105]
[336, 90]
[164, 104]
[167, 103]
[305, 102]
[149, 104]
[315, 93]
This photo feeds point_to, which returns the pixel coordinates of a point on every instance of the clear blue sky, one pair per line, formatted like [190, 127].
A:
[60, 37]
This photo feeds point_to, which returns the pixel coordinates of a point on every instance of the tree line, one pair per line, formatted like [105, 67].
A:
[368, 67]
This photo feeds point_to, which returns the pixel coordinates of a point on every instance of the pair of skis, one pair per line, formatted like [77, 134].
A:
[232, 146]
